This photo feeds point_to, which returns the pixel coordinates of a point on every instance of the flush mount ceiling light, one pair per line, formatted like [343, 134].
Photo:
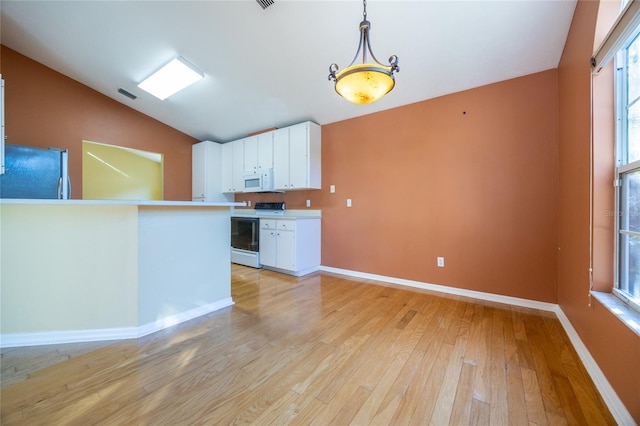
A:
[365, 82]
[171, 78]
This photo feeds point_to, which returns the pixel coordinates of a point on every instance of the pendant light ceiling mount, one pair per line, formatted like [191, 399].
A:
[366, 82]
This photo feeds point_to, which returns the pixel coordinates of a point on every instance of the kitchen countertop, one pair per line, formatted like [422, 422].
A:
[155, 203]
[288, 214]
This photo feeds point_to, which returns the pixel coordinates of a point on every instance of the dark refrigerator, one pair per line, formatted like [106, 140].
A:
[35, 173]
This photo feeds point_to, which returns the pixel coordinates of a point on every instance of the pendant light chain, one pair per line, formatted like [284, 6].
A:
[364, 12]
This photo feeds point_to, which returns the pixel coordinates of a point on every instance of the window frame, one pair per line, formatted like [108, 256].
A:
[622, 166]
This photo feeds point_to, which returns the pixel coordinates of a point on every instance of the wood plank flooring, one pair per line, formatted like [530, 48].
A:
[320, 350]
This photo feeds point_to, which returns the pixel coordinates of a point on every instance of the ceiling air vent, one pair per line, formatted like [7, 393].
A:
[265, 3]
[127, 94]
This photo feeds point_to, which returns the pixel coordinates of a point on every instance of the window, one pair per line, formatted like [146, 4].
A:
[628, 173]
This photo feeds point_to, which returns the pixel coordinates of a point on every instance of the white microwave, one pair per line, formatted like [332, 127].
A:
[258, 182]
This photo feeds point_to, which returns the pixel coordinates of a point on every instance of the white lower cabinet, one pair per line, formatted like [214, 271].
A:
[291, 246]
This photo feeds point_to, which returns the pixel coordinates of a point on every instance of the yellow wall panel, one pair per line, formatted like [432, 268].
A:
[116, 173]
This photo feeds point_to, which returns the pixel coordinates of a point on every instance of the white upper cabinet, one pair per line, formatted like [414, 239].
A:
[250, 145]
[294, 154]
[198, 171]
[238, 160]
[258, 152]
[206, 181]
[227, 167]
[297, 157]
[265, 151]
[232, 166]
[281, 159]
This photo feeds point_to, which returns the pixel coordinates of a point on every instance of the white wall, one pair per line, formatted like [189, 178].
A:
[184, 260]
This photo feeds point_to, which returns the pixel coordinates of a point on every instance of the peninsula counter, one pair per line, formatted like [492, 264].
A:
[82, 270]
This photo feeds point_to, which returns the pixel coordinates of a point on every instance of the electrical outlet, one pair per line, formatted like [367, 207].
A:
[332, 189]
[348, 202]
[249, 203]
[308, 203]
[441, 262]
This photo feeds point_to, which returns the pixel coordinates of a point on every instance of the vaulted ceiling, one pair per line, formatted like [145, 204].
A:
[268, 67]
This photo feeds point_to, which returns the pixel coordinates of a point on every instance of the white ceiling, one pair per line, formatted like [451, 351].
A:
[268, 68]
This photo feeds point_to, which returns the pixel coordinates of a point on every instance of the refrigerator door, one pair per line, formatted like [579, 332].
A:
[34, 173]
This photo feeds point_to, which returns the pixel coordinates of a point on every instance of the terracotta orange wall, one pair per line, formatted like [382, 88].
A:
[614, 346]
[471, 177]
[47, 109]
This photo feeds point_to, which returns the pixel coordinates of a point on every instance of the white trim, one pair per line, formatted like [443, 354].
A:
[629, 167]
[172, 320]
[299, 273]
[618, 35]
[617, 408]
[149, 203]
[71, 336]
[74, 336]
[615, 405]
[509, 300]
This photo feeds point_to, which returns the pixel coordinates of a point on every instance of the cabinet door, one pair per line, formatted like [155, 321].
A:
[265, 151]
[198, 171]
[268, 249]
[227, 167]
[281, 159]
[237, 165]
[250, 145]
[299, 156]
[286, 250]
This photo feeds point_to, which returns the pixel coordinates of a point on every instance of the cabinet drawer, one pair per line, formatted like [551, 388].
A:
[286, 225]
[267, 224]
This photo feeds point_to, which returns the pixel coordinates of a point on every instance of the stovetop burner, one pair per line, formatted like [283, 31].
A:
[270, 208]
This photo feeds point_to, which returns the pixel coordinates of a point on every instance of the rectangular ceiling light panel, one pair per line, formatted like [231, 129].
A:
[171, 78]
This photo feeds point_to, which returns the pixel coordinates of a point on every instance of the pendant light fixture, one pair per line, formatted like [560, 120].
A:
[366, 82]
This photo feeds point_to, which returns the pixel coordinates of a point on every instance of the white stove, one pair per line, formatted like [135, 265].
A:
[245, 234]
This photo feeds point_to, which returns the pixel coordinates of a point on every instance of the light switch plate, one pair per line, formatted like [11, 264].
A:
[308, 203]
[441, 262]
[332, 189]
[348, 202]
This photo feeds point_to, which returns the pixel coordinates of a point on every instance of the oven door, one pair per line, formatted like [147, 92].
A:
[245, 233]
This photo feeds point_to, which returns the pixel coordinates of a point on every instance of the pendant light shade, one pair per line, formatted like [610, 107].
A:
[366, 82]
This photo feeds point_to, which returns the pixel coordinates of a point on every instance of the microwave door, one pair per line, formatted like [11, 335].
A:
[252, 184]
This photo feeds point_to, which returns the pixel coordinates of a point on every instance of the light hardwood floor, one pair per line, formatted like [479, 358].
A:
[321, 349]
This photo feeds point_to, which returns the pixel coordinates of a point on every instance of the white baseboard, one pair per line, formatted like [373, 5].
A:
[615, 405]
[617, 408]
[491, 297]
[74, 336]
[71, 336]
[172, 320]
[299, 273]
